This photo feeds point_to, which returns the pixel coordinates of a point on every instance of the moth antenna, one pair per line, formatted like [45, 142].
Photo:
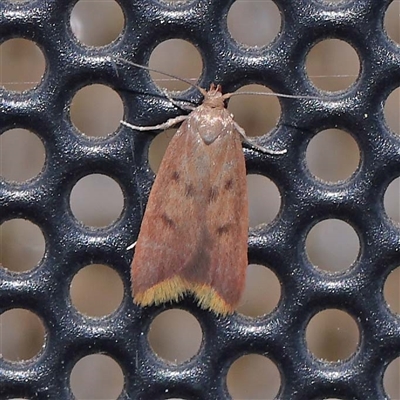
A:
[287, 96]
[200, 89]
[204, 92]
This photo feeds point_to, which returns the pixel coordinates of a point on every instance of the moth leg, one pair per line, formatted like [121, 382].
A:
[255, 145]
[163, 126]
[131, 246]
[177, 104]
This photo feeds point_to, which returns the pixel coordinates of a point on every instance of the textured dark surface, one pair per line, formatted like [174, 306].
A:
[305, 201]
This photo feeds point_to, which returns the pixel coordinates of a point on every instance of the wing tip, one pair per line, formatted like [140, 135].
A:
[209, 299]
[163, 292]
[172, 290]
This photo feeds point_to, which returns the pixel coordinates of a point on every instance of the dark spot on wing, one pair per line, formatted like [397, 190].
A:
[175, 176]
[221, 230]
[189, 190]
[229, 184]
[167, 221]
[213, 194]
[197, 269]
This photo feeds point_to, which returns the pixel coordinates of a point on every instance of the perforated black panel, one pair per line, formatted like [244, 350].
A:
[123, 156]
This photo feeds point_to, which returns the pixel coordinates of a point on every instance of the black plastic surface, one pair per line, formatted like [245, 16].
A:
[305, 201]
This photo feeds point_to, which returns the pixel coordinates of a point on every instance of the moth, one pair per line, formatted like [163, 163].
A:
[193, 237]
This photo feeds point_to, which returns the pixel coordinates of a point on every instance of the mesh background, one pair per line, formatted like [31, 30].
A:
[70, 245]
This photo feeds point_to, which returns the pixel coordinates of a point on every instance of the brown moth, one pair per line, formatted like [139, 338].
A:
[194, 232]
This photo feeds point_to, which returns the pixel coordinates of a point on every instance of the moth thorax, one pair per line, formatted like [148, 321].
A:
[213, 124]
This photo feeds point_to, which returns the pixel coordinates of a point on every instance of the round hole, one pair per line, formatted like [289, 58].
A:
[391, 382]
[22, 335]
[264, 200]
[333, 155]
[96, 23]
[253, 377]
[391, 22]
[391, 291]
[262, 292]
[177, 57]
[22, 64]
[96, 290]
[157, 148]
[391, 200]
[332, 335]
[96, 377]
[254, 23]
[96, 110]
[175, 336]
[391, 111]
[332, 245]
[332, 65]
[257, 115]
[22, 245]
[22, 155]
[96, 200]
